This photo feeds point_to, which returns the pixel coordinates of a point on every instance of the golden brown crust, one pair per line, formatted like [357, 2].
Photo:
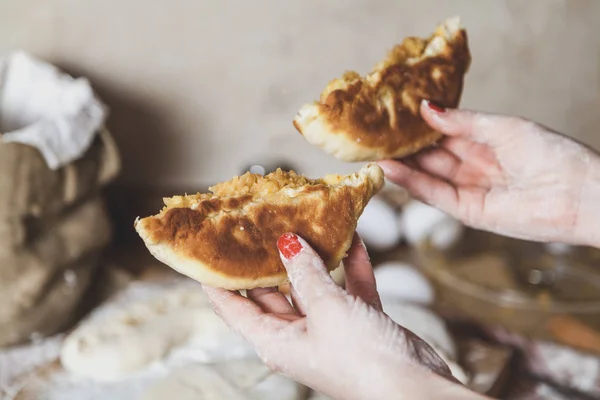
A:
[230, 240]
[379, 115]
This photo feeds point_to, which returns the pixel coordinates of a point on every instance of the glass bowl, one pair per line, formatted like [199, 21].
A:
[550, 292]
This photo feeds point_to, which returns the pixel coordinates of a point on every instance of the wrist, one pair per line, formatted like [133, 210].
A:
[418, 383]
[587, 230]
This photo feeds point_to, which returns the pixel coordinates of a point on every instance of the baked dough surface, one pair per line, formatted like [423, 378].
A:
[377, 116]
[228, 238]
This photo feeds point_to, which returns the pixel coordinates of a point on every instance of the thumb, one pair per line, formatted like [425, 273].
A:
[480, 127]
[306, 270]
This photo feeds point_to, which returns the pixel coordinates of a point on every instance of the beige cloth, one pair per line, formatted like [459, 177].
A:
[43, 278]
[29, 188]
[55, 157]
[53, 226]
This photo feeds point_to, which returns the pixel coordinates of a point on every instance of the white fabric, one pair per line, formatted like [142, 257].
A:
[42, 107]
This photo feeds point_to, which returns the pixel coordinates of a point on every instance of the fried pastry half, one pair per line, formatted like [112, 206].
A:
[228, 238]
[377, 116]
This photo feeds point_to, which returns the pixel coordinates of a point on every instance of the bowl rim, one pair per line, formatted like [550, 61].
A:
[432, 267]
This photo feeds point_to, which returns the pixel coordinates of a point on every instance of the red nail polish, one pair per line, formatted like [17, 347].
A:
[289, 245]
[435, 107]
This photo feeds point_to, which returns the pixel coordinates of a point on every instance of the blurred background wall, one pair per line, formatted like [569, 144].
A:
[199, 88]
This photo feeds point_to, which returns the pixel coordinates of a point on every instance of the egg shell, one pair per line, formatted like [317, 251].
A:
[418, 220]
[424, 323]
[400, 281]
[431, 328]
[446, 233]
[378, 225]
[557, 249]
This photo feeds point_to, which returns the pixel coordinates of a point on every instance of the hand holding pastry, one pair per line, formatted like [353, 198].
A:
[506, 175]
[338, 342]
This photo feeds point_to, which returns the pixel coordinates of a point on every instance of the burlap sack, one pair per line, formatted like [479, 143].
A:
[43, 277]
[28, 188]
[54, 307]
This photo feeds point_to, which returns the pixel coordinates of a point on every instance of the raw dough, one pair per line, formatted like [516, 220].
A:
[231, 380]
[19, 360]
[150, 323]
[52, 382]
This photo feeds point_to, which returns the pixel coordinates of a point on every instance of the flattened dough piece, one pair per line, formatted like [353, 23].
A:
[234, 380]
[228, 238]
[377, 116]
[148, 324]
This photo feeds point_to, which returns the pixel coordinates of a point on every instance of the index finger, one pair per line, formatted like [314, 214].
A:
[307, 272]
[481, 127]
[422, 186]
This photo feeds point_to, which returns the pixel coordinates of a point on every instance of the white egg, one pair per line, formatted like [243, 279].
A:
[431, 328]
[424, 323]
[457, 371]
[558, 249]
[446, 233]
[378, 225]
[403, 282]
[418, 220]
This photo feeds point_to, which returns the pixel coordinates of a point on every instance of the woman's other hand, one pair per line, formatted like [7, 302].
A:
[506, 175]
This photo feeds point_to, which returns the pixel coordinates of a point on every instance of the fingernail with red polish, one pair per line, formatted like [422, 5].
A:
[289, 245]
[435, 107]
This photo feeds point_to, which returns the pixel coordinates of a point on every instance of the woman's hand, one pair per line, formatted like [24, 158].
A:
[338, 342]
[505, 175]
